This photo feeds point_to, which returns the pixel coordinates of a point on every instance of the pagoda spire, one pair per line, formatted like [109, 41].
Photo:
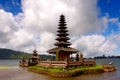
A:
[62, 35]
[62, 49]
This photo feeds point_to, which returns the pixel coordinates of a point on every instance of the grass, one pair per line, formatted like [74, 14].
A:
[71, 69]
[86, 68]
[36, 67]
[4, 67]
[7, 67]
[55, 70]
[50, 69]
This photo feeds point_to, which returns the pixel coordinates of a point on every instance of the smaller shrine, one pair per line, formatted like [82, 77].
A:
[34, 59]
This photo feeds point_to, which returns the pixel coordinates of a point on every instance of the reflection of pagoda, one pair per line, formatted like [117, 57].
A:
[62, 50]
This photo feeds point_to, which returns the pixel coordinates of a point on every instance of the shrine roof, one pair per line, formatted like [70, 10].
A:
[68, 49]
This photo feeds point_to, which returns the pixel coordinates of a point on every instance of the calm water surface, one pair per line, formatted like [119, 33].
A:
[17, 73]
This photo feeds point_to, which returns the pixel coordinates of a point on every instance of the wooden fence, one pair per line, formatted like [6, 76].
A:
[64, 64]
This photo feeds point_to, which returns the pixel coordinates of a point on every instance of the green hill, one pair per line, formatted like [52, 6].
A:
[8, 54]
[12, 54]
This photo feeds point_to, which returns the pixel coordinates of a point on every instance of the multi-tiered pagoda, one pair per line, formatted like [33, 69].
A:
[62, 49]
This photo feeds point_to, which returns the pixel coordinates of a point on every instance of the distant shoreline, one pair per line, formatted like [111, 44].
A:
[85, 58]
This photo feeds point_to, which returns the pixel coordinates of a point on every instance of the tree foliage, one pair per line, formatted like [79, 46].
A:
[8, 54]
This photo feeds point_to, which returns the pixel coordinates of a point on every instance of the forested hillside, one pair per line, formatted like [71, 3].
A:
[8, 54]
[11, 54]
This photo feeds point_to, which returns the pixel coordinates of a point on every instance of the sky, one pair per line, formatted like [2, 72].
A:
[94, 25]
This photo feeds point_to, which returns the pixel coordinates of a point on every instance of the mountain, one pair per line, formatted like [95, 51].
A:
[12, 54]
[8, 54]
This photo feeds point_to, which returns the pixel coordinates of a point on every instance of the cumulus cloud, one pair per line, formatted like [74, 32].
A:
[94, 45]
[41, 17]
[81, 15]
[36, 26]
[11, 34]
[7, 26]
[22, 38]
[45, 42]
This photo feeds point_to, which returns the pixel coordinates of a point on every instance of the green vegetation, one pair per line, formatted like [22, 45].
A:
[71, 71]
[50, 69]
[58, 69]
[8, 67]
[8, 54]
[83, 69]
[55, 70]
[4, 67]
[86, 67]
[13, 55]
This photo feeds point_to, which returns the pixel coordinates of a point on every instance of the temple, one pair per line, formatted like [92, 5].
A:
[64, 65]
[62, 49]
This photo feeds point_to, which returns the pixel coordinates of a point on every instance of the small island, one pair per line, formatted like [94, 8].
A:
[63, 65]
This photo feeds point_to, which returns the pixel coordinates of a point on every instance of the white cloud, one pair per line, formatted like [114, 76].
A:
[36, 26]
[81, 15]
[115, 38]
[22, 38]
[41, 17]
[7, 26]
[46, 41]
[12, 35]
[94, 45]
[106, 20]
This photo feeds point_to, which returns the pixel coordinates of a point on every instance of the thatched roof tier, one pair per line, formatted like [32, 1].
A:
[62, 21]
[61, 26]
[62, 38]
[62, 34]
[62, 31]
[68, 49]
[62, 43]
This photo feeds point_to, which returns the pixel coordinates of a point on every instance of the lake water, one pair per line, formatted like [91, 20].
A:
[16, 73]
